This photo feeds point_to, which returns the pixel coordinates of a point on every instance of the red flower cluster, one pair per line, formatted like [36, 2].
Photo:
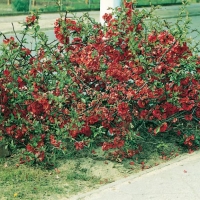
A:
[63, 28]
[30, 20]
[9, 41]
[54, 142]
[117, 143]
[99, 84]
[123, 109]
[106, 64]
[107, 17]
[79, 145]
[39, 107]
[189, 141]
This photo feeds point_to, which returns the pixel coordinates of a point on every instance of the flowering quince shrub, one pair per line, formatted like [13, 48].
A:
[99, 85]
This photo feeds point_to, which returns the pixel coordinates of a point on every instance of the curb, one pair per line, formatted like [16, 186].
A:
[174, 161]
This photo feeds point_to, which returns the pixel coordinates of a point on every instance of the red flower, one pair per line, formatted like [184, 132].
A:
[163, 127]
[106, 146]
[189, 140]
[39, 107]
[86, 130]
[144, 114]
[11, 129]
[118, 142]
[165, 38]
[158, 92]
[169, 109]
[107, 17]
[21, 83]
[141, 103]
[30, 148]
[178, 132]
[8, 41]
[157, 114]
[45, 104]
[36, 108]
[187, 106]
[41, 156]
[185, 81]
[6, 72]
[61, 36]
[198, 112]
[26, 51]
[40, 144]
[54, 142]
[74, 133]
[131, 153]
[79, 145]
[93, 119]
[30, 20]
[139, 27]
[138, 70]
[186, 103]
[4, 98]
[62, 29]
[123, 109]
[19, 134]
[152, 37]
[128, 5]
[188, 117]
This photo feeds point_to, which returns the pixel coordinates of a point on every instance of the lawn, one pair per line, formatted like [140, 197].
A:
[77, 173]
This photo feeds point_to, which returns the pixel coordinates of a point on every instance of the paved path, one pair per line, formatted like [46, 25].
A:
[46, 21]
[179, 179]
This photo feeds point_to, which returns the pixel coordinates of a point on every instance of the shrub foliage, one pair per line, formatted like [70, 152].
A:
[21, 5]
[107, 85]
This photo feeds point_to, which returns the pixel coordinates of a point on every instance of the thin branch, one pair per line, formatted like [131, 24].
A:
[20, 41]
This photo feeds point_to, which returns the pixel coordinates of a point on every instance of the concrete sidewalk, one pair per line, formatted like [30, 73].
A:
[178, 179]
[47, 20]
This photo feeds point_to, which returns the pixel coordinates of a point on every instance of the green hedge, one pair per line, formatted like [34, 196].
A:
[21, 5]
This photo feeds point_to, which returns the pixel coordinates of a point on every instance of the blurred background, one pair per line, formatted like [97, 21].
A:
[12, 7]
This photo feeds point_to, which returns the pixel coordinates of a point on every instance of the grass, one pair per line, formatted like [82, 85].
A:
[25, 182]
[78, 173]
